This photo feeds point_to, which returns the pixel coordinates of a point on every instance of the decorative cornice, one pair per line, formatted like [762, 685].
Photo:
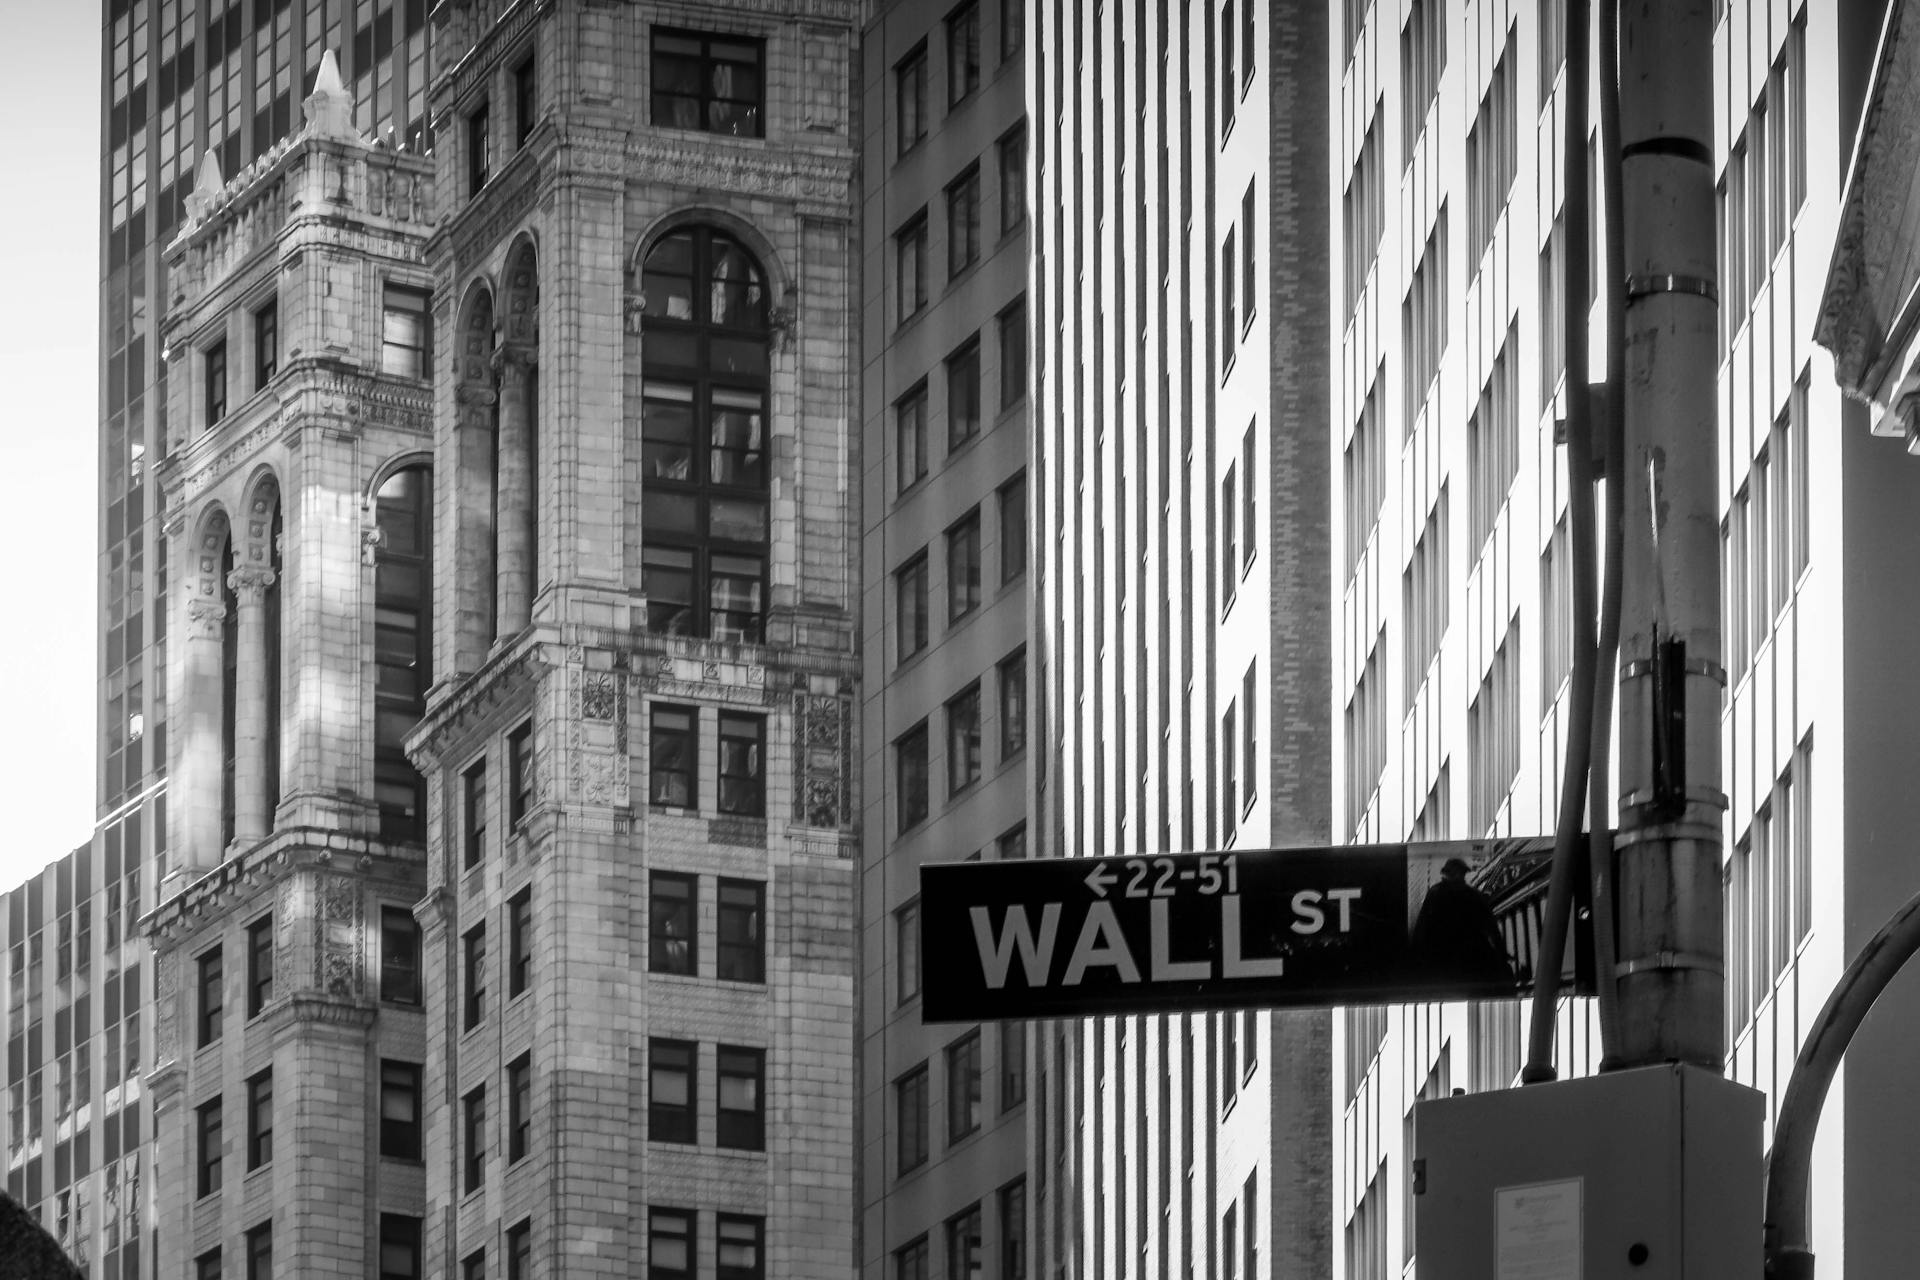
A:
[713, 163]
[451, 710]
[1875, 266]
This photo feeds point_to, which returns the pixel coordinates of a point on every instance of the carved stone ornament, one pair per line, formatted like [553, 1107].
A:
[250, 583]
[204, 617]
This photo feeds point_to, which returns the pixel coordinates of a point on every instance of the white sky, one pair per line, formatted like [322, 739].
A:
[49, 422]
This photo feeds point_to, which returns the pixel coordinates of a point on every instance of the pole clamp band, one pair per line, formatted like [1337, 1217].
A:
[1670, 960]
[1639, 286]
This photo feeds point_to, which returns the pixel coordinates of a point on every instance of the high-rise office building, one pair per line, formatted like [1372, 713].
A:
[639, 944]
[1453, 592]
[178, 77]
[943, 493]
[1180, 295]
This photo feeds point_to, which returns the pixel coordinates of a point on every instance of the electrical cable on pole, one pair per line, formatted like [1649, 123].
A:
[1539, 1067]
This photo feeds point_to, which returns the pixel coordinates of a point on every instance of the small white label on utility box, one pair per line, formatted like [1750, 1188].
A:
[1538, 1228]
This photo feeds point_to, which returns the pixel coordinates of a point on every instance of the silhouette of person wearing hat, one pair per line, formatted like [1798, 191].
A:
[1455, 935]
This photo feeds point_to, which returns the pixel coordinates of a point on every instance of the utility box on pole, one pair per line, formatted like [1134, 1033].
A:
[1651, 1174]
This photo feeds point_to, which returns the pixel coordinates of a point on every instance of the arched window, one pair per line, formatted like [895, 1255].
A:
[703, 437]
[402, 645]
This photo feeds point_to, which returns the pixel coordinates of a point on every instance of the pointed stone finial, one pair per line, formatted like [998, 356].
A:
[206, 187]
[329, 108]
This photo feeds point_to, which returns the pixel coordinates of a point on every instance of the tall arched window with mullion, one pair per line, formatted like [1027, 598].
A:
[703, 437]
[403, 645]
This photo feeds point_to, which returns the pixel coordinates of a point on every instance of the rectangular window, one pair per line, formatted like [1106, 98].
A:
[906, 950]
[963, 394]
[260, 1119]
[1249, 734]
[519, 774]
[1229, 546]
[1247, 491]
[910, 761]
[1012, 328]
[1493, 733]
[910, 1263]
[400, 1247]
[1012, 844]
[474, 788]
[260, 1252]
[670, 915]
[474, 1266]
[1013, 24]
[1424, 597]
[526, 101]
[1013, 1064]
[1013, 528]
[478, 143]
[266, 342]
[1229, 83]
[910, 598]
[259, 965]
[963, 740]
[741, 955]
[519, 942]
[207, 1265]
[1492, 155]
[1423, 323]
[964, 1109]
[963, 1245]
[399, 1110]
[520, 1251]
[963, 221]
[406, 332]
[743, 750]
[670, 1090]
[674, 750]
[670, 1244]
[910, 1110]
[476, 971]
[910, 437]
[910, 268]
[710, 83]
[963, 566]
[207, 1124]
[963, 52]
[1012, 151]
[215, 365]
[211, 996]
[1229, 326]
[1493, 441]
[742, 1115]
[1230, 1242]
[737, 1247]
[399, 956]
[1249, 288]
[1013, 1230]
[519, 1107]
[1013, 705]
[910, 95]
[473, 1129]
[1229, 783]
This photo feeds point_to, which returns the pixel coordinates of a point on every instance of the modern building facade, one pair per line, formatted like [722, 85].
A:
[1452, 588]
[638, 746]
[943, 492]
[178, 77]
[1182, 640]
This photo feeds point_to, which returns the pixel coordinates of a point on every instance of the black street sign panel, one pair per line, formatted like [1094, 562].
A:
[1265, 928]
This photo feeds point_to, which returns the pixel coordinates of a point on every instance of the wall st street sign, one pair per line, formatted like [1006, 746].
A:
[1271, 928]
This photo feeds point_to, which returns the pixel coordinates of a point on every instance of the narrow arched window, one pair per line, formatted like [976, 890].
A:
[402, 645]
[703, 437]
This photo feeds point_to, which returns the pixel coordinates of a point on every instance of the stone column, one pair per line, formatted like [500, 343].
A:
[472, 509]
[514, 568]
[250, 728]
[198, 788]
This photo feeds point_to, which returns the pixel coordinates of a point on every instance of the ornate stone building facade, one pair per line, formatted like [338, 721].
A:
[289, 1038]
[639, 745]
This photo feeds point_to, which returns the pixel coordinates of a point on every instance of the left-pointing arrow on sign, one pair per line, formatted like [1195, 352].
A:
[1099, 878]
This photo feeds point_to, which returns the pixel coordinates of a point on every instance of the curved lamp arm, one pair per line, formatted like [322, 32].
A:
[1789, 1251]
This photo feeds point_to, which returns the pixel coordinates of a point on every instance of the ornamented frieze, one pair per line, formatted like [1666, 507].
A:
[598, 769]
